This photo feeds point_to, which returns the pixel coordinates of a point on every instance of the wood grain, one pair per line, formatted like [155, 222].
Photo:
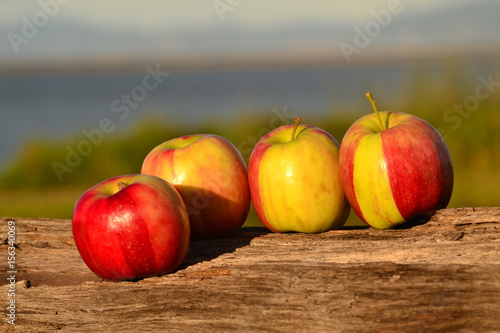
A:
[441, 276]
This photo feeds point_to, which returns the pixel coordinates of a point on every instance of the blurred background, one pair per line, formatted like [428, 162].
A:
[88, 88]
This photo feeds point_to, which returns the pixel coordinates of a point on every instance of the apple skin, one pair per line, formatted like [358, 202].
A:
[295, 185]
[138, 231]
[394, 175]
[210, 175]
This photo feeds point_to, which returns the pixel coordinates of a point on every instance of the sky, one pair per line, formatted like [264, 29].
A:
[154, 14]
[102, 30]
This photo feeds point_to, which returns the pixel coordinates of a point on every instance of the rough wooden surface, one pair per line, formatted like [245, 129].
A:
[442, 276]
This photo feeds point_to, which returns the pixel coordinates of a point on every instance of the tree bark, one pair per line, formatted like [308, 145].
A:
[440, 276]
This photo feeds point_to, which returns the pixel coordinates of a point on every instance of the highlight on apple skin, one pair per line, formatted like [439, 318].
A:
[394, 167]
[294, 180]
[210, 175]
[130, 227]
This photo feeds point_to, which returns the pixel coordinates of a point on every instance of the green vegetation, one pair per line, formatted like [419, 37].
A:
[29, 186]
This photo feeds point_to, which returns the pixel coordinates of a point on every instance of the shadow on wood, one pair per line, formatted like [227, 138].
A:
[209, 249]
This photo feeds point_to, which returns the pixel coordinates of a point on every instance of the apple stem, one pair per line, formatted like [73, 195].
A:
[122, 185]
[295, 126]
[374, 106]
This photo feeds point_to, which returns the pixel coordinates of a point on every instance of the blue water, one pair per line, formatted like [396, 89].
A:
[61, 105]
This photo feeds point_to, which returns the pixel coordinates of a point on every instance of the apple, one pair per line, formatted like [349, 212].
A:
[210, 175]
[294, 180]
[131, 227]
[394, 167]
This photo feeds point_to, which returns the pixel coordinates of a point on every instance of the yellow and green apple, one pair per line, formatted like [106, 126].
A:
[210, 175]
[294, 180]
[394, 167]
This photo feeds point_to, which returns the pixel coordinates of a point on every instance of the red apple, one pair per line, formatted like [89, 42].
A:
[394, 167]
[131, 227]
[294, 180]
[210, 175]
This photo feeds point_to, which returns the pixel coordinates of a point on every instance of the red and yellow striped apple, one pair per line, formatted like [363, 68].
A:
[394, 167]
[210, 175]
[131, 227]
[294, 180]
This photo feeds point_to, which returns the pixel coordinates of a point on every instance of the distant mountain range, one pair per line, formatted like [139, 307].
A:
[462, 28]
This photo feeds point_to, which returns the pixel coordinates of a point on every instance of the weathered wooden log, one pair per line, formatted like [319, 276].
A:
[441, 276]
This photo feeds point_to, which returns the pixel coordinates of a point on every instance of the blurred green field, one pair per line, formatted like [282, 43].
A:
[29, 186]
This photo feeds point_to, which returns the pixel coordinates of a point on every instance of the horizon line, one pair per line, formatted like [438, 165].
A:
[274, 60]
